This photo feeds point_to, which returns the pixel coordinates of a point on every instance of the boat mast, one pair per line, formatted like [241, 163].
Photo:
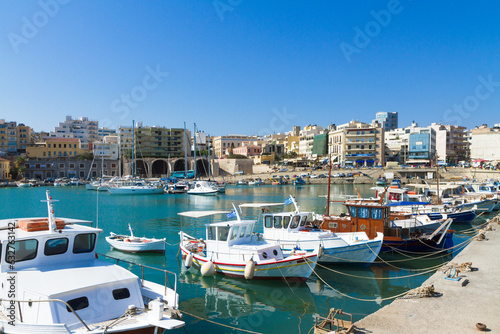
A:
[119, 152]
[437, 181]
[185, 152]
[328, 191]
[209, 156]
[102, 155]
[133, 148]
[194, 149]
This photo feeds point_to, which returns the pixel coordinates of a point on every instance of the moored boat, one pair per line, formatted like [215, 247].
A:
[202, 187]
[61, 284]
[296, 230]
[133, 244]
[231, 248]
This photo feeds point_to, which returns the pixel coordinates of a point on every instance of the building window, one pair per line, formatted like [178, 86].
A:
[71, 166]
[82, 165]
[60, 165]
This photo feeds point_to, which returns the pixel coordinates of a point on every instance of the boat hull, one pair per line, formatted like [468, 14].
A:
[135, 191]
[337, 250]
[481, 206]
[294, 268]
[395, 244]
[137, 247]
[465, 217]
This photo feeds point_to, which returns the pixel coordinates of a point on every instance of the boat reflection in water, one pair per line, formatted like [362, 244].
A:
[233, 298]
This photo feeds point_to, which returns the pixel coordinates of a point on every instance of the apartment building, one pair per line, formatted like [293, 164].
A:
[81, 128]
[56, 148]
[224, 144]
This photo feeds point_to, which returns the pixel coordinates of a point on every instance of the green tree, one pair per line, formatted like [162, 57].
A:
[20, 166]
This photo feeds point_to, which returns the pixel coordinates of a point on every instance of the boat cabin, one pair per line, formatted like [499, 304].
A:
[61, 265]
[363, 216]
[235, 240]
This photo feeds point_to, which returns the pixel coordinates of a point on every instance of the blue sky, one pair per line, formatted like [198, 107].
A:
[249, 67]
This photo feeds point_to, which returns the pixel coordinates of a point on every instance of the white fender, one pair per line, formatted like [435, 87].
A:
[189, 260]
[207, 269]
[320, 251]
[249, 269]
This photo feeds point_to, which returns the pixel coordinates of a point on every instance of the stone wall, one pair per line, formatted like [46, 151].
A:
[231, 166]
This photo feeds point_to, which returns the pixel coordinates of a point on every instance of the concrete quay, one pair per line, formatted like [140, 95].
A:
[459, 306]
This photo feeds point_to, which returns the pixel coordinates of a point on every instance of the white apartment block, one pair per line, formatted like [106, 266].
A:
[485, 144]
[223, 144]
[81, 128]
[306, 139]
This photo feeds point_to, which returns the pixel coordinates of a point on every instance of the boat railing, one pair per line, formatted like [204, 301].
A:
[68, 306]
[142, 267]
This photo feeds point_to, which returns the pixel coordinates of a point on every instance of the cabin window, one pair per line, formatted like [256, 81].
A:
[211, 233]
[249, 230]
[352, 211]
[56, 246]
[286, 221]
[277, 222]
[84, 243]
[364, 212]
[303, 221]
[21, 250]
[268, 221]
[242, 231]
[333, 225]
[376, 213]
[78, 303]
[222, 233]
[121, 294]
[295, 222]
[234, 232]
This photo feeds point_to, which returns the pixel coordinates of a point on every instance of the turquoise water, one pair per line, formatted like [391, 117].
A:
[258, 306]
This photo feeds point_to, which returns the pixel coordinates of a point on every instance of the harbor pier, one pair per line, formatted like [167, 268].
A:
[469, 305]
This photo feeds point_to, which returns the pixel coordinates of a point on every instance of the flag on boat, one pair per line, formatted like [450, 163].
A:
[231, 214]
[289, 201]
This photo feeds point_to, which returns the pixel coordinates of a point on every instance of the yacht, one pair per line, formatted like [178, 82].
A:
[53, 281]
[135, 187]
[202, 187]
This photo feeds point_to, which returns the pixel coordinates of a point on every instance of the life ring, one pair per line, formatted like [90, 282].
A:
[363, 227]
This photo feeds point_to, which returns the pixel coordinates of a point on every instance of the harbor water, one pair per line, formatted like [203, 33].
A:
[228, 303]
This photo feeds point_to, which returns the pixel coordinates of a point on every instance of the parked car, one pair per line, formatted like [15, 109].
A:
[283, 170]
[349, 175]
[322, 176]
[313, 176]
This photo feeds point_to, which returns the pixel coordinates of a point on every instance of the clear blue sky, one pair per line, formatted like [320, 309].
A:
[247, 67]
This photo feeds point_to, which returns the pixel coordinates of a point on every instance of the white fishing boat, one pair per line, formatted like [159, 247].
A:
[135, 187]
[202, 187]
[60, 286]
[294, 230]
[24, 184]
[231, 248]
[133, 244]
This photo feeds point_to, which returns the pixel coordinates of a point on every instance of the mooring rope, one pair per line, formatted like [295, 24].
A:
[218, 323]
[360, 299]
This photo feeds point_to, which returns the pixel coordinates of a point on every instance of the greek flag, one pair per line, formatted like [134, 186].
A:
[231, 214]
[289, 201]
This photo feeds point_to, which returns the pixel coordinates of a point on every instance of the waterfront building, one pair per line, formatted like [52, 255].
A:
[485, 143]
[153, 141]
[248, 150]
[8, 137]
[105, 132]
[81, 128]
[42, 169]
[24, 137]
[451, 143]
[55, 148]
[292, 144]
[422, 147]
[397, 143]
[4, 169]
[306, 140]
[224, 144]
[388, 119]
[106, 148]
[357, 144]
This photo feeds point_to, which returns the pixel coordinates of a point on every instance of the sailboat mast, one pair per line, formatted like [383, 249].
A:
[194, 149]
[102, 155]
[209, 157]
[185, 152]
[328, 191]
[133, 148]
